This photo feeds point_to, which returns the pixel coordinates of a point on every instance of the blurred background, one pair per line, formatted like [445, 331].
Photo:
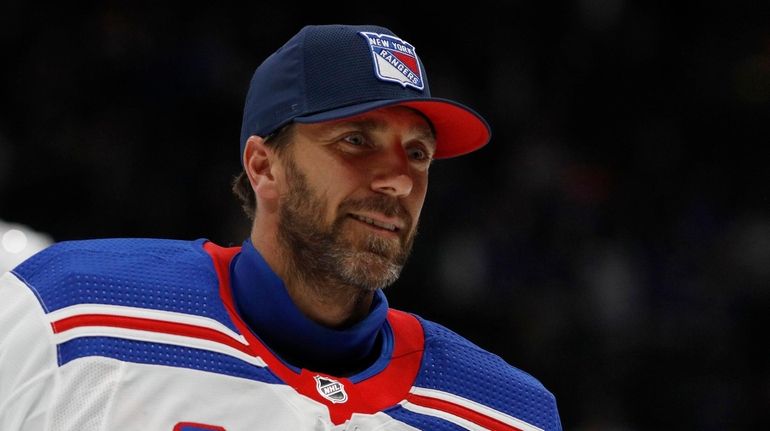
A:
[613, 240]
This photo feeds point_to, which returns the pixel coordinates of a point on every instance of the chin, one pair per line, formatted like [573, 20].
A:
[370, 271]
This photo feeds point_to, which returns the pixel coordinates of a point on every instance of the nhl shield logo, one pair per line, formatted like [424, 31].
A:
[330, 389]
[394, 60]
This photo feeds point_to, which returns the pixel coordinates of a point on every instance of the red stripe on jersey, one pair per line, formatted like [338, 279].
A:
[480, 419]
[143, 324]
[194, 426]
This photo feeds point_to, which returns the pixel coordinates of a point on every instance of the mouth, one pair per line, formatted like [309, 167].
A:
[376, 224]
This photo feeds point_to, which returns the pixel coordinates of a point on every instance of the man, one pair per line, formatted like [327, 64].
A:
[291, 331]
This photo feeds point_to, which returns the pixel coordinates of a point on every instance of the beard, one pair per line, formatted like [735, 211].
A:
[319, 253]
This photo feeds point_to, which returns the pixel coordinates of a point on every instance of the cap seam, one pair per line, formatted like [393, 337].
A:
[303, 90]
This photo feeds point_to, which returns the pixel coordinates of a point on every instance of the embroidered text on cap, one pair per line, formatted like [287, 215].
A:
[394, 60]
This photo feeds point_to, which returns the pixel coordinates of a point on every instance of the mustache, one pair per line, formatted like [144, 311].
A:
[385, 205]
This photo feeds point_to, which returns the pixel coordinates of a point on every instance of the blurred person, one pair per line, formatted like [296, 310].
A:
[19, 242]
[292, 330]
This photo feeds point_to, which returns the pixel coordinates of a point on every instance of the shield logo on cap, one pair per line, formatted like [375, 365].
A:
[394, 60]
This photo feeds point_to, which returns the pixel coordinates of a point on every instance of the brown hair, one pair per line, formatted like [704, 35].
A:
[241, 187]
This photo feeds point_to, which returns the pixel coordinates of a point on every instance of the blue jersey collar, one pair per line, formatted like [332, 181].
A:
[265, 305]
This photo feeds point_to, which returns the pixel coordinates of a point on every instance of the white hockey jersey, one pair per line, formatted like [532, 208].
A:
[140, 334]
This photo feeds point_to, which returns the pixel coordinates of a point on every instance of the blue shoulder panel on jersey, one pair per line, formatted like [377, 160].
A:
[455, 365]
[158, 274]
[162, 354]
[421, 422]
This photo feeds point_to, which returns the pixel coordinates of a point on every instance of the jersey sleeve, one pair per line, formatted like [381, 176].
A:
[28, 366]
[36, 393]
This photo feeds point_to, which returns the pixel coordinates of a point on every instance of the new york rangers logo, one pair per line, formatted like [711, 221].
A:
[394, 60]
[330, 389]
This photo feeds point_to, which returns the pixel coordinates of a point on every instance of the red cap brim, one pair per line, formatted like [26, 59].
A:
[459, 129]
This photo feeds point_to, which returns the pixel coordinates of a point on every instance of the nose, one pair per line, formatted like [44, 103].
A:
[393, 176]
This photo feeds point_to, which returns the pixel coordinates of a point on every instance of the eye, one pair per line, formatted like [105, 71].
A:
[418, 153]
[355, 139]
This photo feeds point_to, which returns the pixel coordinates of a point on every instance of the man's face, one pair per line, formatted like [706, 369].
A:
[352, 196]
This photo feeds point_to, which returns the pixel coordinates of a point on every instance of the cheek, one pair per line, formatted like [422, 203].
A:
[335, 189]
[328, 181]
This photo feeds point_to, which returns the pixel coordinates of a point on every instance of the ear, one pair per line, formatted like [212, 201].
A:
[259, 164]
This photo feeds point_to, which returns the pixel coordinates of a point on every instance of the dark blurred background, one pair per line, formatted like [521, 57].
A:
[613, 239]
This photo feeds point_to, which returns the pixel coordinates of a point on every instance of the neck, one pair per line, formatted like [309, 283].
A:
[322, 300]
[334, 306]
[263, 302]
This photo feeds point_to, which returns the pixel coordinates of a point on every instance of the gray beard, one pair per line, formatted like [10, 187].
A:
[322, 256]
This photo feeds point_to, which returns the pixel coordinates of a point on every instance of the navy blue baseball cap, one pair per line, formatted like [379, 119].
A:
[331, 72]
